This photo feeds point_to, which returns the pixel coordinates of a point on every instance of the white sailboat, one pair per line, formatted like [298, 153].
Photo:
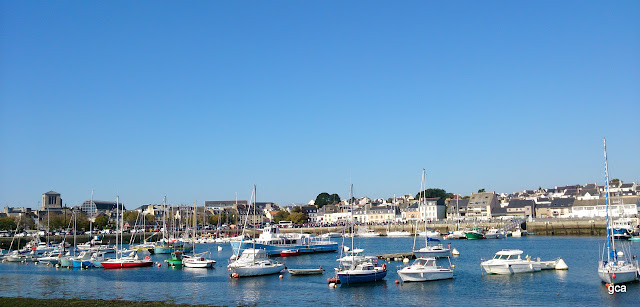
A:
[617, 267]
[433, 250]
[253, 262]
[196, 261]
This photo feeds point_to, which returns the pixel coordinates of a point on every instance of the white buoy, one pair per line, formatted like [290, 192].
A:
[219, 248]
[561, 265]
[346, 248]
[332, 285]
[620, 254]
[405, 260]
[455, 252]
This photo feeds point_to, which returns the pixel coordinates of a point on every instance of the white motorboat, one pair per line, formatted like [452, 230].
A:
[494, 233]
[398, 234]
[425, 269]
[431, 234]
[364, 232]
[254, 262]
[197, 262]
[331, 235]
[509, 261]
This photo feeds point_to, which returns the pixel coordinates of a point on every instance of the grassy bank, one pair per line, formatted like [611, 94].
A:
[24, 301]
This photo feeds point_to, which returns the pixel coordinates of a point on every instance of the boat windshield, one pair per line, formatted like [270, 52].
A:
[501, 257]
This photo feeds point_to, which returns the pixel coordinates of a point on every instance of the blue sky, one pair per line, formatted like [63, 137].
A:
[200, 100]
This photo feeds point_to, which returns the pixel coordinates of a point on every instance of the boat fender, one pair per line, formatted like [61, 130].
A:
[384, 266]
[147, 257]
[280, 276]
[613, 276]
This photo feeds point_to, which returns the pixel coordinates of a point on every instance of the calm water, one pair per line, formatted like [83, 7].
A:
[579, 285]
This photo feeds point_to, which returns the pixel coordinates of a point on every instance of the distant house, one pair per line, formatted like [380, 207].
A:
[311, 211]
[220, 205]
[621, 206]
[516, 208]
[481, 205]
[410, 213]
[432, 209]
[457, 208]
[559, 207]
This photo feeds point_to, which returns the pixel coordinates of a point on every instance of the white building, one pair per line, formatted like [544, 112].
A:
[624, 206]
[432, 209]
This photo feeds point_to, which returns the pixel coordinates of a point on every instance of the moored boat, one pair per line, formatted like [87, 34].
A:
[425, 269]
[290, 252]
[509, 261]
[254, 262]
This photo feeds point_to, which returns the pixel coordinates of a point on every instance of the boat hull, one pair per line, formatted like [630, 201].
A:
[171, 249]
[277, 249]
[124, 265]
[474, 236]
[352, 277]
[511, 268]
[82, 263]
[257, 271]
[623, 274]
[424, 275]
[438, 253]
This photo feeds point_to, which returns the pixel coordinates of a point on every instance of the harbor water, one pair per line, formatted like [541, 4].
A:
[579, 285]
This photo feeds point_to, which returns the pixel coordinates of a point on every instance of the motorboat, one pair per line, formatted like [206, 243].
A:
[398, 234]
[273, 242]
[364, 232]
[197, 262]
[254, 262]
[509, 261]
[365, 271]
[425, 269]
[331, 235]
[290, 252]
[494, 233]
[474, 234]
[175, 259]
[432, 234]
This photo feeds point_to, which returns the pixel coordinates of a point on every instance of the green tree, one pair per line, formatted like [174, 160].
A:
[8, 223]
[434, 193]
[481, 191]
[101, 221]
[298, 217]
[281, 216]
[150, 219]
[325, 198]
[130, 216]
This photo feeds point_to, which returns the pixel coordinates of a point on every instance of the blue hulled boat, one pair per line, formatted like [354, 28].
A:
[274, 242]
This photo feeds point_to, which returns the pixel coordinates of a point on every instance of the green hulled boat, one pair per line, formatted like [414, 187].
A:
[176, 259]
[474, 234]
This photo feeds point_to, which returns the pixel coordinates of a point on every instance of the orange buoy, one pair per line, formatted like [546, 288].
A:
[613, 276]
[280, 276]
[397, 282]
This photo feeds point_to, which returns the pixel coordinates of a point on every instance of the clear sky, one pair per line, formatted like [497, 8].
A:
[199, 100]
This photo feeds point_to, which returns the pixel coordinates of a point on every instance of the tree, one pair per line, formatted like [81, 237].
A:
[150, 218]
[101, 221]
[481, 191]
[130, 217]
[434, 193]
[281, 216]
[8, 223]
[325, 198]
[298, 217]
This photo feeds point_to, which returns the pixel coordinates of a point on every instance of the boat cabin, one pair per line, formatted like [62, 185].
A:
[508, 254]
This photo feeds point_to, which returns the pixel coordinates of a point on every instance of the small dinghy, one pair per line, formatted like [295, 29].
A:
[318, 271]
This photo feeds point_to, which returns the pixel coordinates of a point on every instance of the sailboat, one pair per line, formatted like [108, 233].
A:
[120, 261]
[617, 267]
[196, 261]
[359, 271]
[437, 250]
[253, 262]
[169, 243]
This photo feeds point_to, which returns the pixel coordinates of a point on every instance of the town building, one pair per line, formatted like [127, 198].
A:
[481, 205]
[51, 201]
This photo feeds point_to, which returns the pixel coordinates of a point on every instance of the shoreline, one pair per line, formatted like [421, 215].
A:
[66, 302]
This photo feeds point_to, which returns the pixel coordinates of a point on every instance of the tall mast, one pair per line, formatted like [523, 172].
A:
[353, 234]
[195, 225]
[117, 223]
[91, 213]
[610, 241]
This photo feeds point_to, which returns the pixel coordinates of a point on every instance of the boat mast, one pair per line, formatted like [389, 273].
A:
[353, 234]
[91, 217]
[195, 225]
[117, 223]
[164, 218]
[610, 241]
